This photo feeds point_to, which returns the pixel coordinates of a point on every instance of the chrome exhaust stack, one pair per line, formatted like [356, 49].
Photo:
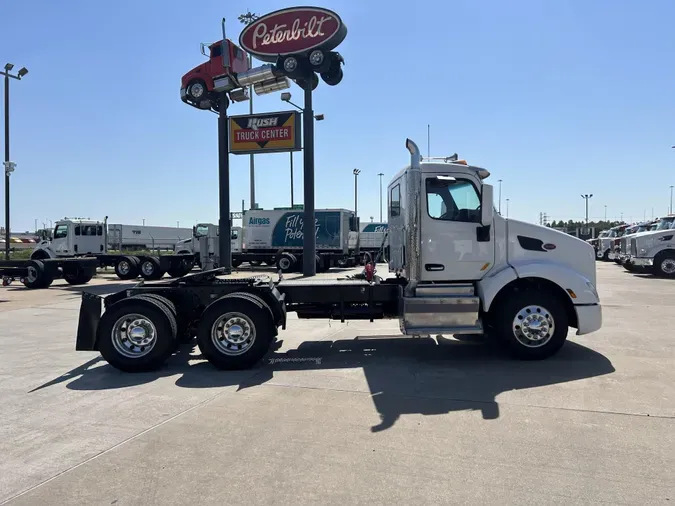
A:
[413, 232]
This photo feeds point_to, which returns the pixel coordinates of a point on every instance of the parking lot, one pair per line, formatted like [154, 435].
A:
[333, 417]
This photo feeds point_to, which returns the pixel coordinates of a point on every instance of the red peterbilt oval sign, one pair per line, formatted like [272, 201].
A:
[292, 31]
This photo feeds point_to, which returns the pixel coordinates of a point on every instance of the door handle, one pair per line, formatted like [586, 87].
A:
[434, 267]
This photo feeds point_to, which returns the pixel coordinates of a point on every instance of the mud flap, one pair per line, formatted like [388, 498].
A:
[90, 314]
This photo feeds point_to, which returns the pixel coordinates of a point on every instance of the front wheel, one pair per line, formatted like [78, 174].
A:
[533, 325]
[664, 264]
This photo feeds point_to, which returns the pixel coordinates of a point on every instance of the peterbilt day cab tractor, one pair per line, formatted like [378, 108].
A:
[654, 251]
[457, 267]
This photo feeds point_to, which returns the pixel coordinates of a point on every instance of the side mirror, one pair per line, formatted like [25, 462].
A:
[487, 205]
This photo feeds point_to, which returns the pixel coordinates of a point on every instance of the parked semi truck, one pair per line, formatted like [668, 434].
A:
[622, 254]
[77, 244]
[654, 251]
[275, 237]
[457, 267]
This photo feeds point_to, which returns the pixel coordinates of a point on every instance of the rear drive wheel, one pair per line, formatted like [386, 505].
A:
[137, 334]
[285, 262]
[235, 333]
[77, 275]
[181, 269]
[533, 325]
[664, 264]
[127, 268]
[150, 268]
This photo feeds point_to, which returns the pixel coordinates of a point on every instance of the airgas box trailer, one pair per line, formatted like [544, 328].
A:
[460, 268]
[276, 237]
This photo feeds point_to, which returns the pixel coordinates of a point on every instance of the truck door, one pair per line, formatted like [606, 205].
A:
[455, 247]
[396, 217]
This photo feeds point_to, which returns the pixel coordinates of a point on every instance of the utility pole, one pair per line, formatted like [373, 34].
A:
[356, 173]
[9, 166]
[587, 197]
[291, 153]
[499, 208]
[428, 144]
[671, 199]
[507, 208]
[380, 176]
[605, 212]
[247, 19]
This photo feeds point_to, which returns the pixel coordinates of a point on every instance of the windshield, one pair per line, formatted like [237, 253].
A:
[60, 231]
[201, 230]
[665, 223]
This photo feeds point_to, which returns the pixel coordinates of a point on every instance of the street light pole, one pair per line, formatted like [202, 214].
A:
[605, 212]
[8, 165]
[587, 197]
[507, 208]
[671, 199]
[247, 19]
[499, 208]
[356, 173]
[380, 176]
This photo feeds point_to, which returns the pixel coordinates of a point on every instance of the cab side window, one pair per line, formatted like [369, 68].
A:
[452, 200]
[395, 201]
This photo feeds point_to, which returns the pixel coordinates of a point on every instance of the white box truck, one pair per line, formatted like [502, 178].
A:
[275, 237]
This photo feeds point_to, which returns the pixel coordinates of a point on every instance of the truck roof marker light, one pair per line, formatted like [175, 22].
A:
[572, 294]
[485, 266]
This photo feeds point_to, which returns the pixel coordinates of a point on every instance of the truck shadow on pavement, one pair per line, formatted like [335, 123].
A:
[404, 376]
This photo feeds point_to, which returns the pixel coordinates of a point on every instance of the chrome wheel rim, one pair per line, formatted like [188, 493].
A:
[148, 268]
[134, 335]
[32, 274]
[284, 264]
[233, 334]
[598, 253]
[197, 90]
[533, 326]
[124, 267]
[668, 266]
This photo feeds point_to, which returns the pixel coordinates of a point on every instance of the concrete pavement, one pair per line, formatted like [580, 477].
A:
[334, 417]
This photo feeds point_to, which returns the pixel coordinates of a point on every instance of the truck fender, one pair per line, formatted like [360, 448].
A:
[488, 288]
[42, 249]
[655, 250]
[491, 285]
[568, 279]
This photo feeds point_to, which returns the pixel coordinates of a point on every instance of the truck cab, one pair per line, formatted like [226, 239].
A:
[73, 237]
[224, 59]
[466, 264]
[655, 250]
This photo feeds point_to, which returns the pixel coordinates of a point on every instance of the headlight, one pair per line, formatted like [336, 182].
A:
[643, 251]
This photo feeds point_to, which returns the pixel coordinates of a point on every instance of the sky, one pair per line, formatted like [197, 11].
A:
[554, 98]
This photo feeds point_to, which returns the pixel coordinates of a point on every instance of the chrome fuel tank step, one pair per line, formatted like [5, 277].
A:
[443, 314]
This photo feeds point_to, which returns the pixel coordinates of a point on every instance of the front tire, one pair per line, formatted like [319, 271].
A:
[78, 275]
[235, 332]
[664, 264]
[37, 276]
[533, 325]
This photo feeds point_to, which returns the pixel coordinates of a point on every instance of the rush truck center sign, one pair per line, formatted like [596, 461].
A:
[264, 133]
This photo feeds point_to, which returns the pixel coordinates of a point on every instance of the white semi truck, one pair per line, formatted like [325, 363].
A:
[457, 267]
[654, 251]
[369, 240]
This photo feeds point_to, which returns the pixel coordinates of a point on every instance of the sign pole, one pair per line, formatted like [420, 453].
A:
[309, 234]
[224, 222]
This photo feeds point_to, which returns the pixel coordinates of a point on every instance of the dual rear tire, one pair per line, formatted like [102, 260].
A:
[139, 334]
